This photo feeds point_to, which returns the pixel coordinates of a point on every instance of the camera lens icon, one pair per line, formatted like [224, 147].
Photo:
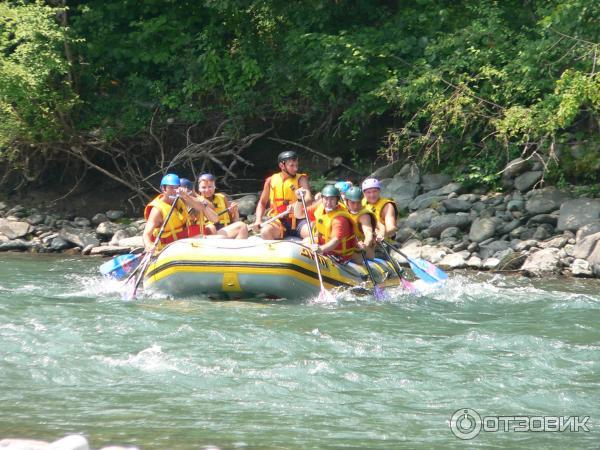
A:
[465, 423]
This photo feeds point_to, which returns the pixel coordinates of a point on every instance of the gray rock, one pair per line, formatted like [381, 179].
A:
[14, 229]
[471, 198]
[453, 261]
[409, 172]
[87, 249]
[450, 232]
[473, 246]
[448, 189]
[525, 245]
[511, 261]
[109, 250]
[440, 223]
[58, 244]
[14, 245]
[543, 218]
[71, 442]
[555, 242]
[515, 205]
[461, 246]
[107, 229]
[516, 167]
[99, 218]
[36, 219]
[482, 229]
[17, 211]
[545, 200]
[474, 262]
[132, 242]
[420, 220]
[527, 180]
[490, 263]
[576, 213]
[541, 234]
[456, 205]
[387, 171]
[81, 222]
[114, 214]
[404, 234]
[426, 200]
[247, 204]
[587, 230]
[118, 236]
[581, 268]
[402, 192]
[546, 261]
[509, 227]
[489, 250]
[594, 256]
[80, 238]
[433, 181]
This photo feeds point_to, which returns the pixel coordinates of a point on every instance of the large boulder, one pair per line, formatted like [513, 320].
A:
[546, 200]
[482, 229]
[431, 181]
[440, 223]
[526, 181]
[419, 220]
[401, 191]
[543, 262]
[247, 204]
[576, 213]
[387, 171]
[81, 238]
[456, 205]
[586, 230]
[409, 173]
[14, 229]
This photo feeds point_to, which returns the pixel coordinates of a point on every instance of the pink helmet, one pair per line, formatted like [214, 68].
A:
[371, 183]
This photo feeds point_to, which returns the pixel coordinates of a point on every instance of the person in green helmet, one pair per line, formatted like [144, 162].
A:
[365, 220]
[335, 228]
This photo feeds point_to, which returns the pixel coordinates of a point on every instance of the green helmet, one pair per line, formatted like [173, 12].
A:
[330, 191]
[354, 194]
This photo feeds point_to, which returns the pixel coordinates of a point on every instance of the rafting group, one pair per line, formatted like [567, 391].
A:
[195, 243]
[345, 219]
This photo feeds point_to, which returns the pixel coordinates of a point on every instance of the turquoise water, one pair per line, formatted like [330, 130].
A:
[182, 374]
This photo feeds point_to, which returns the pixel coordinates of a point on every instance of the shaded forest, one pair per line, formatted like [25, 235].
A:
[129, 89]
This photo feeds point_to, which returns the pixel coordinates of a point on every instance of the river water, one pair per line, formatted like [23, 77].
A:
[185, 374]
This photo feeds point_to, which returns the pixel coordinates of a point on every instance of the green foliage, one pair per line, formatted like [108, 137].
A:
[437, 82]
[35, 97]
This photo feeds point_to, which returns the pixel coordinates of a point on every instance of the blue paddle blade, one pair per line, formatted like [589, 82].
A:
[427, 271]
[379, 293]
[120, 266]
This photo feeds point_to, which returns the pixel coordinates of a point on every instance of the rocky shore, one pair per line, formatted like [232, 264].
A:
[536, 232]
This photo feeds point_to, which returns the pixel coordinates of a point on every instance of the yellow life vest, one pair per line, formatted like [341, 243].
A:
[219, 202]
[377, 208]
[355, 216]
[177, 226]
[282, 192]
[323, 223]
[196, 219]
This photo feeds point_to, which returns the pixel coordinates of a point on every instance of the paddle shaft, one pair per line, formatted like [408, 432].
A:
[272, 219]
[376, 290]
[392, 261]
[312, 240]
[156, 241]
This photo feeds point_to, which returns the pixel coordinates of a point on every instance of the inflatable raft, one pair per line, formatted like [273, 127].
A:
[236, 269]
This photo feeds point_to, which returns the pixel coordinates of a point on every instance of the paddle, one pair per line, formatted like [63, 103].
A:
[324, 295]
[405, 283]
[272, 219]
[422, 269]
[377, 290]
[120, 266]
[149, 254]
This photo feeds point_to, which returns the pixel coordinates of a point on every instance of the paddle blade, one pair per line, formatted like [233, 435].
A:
[379, 293]
[120, 266]
[427, 271]
[408, 286]
[325, 296]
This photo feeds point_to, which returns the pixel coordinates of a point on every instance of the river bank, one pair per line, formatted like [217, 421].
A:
[534, 231]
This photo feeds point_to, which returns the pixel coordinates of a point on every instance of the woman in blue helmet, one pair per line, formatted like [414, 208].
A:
[175, 197]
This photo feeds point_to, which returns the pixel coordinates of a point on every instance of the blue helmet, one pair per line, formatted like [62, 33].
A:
[184, 182]
[170, 179]
[343, 186]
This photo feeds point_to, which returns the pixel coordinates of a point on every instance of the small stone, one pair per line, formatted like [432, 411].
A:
[114, 214]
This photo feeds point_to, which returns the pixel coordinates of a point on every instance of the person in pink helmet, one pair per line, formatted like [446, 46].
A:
[384, 209]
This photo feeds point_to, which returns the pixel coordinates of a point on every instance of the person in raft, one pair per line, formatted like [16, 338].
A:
[279, 194]
[175, 197]
[227, 210]
[203, 225]
[336, 230]
[385, 209]
[365, 220]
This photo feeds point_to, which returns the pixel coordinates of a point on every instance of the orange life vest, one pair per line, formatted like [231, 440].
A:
[177, 226]
[282, 194]
[323, 224]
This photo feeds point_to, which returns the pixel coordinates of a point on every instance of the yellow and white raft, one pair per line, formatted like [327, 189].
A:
[236, 269]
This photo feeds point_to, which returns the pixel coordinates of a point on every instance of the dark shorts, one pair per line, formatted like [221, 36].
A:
[293, 232]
